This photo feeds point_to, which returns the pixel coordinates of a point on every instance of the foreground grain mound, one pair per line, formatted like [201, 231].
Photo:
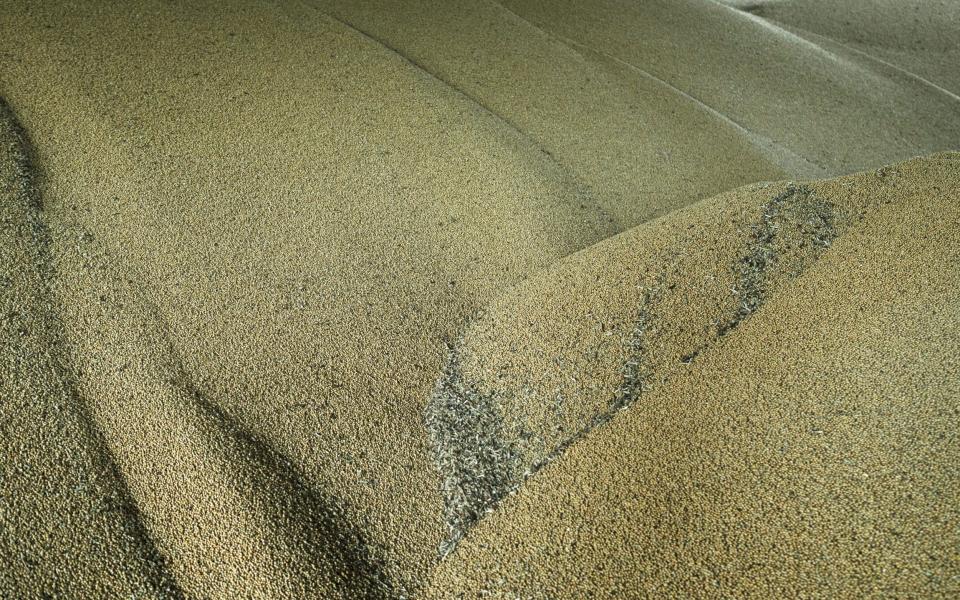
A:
[754, 395]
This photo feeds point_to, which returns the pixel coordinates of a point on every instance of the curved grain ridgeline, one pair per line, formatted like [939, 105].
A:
[322, 298]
